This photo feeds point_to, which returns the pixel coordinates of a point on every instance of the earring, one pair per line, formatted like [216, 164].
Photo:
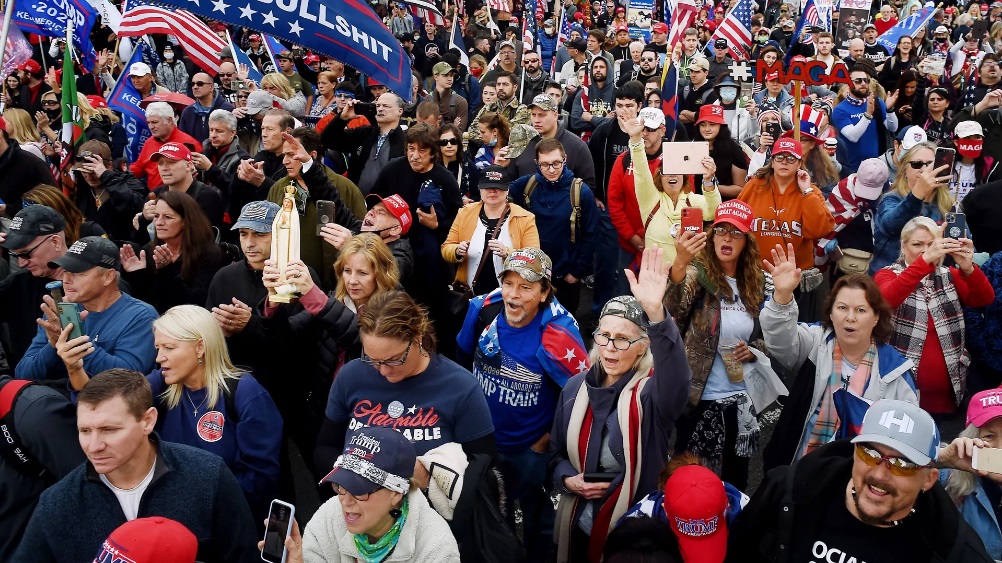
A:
[200, 361]
[395, 513]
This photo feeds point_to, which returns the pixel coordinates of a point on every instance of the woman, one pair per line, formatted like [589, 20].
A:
[842, 365]
[490, 228]
[204, 401]
[918, 190]
[936, 118]
[920, 43]
[731, 162]
[450, 140]
[906, 86]
[929, 317]
[276, 84]
[823, 169]
[719, 324]
[324, 104]
[899, 62]
[399, 363]
[638, 365]
[654, 99]
[477, 65]
[50, 118]
[77, 226]
[23, 130]
[663, 199]
[971, 167]
[177, 266]
[494, 132]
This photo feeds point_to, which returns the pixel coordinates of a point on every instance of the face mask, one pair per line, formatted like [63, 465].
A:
[168, 55]
[549, 30]
[476, 72]
[971, 148]
[728, 94]
[55, 115]
[493, 142]
[762, 38]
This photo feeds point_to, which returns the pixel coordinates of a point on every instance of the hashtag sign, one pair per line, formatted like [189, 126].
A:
[740, 72]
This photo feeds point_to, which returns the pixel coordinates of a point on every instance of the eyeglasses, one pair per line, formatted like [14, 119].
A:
[919, 164]
[899, 467]
[388, 363]
[551, 165]
[344, 96]
[724, 231]
[647, 60]
[621, 344]
[860, 80]
[447, 142]
[27, 255]
[339, 491]
[786, 158]
[50, 103]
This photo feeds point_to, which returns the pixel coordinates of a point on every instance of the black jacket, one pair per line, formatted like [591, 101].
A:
[207, 197]
[20, 171]
[20, 296]
[223, 173]
[126, 195]
[785, 507]
[356, 144]
[606, 144]
[165, 288]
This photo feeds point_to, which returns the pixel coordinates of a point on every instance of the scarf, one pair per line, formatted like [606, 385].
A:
[629, 413]
[844, 206]
[934, 299]
[708, 435]
[376, 552]
[828, 419]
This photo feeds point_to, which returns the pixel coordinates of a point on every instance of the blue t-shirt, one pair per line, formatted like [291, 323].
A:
[442, 404]
[849, 112]
[521, 396]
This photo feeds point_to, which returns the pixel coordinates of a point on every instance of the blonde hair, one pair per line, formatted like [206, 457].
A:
[278, 80]
[377, 255]
[915, 224]
[191, 323]
[960, 484]
[20, 126]
[87, 111]
[944, 201]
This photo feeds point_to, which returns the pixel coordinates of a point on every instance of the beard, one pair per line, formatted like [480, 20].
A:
[881, 520]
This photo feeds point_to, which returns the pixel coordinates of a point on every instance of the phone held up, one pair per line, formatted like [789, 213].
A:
[68, 313]
[692, 220]
[280, 519]
[325, 213]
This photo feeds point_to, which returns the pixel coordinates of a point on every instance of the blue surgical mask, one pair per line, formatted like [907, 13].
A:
[493, 142]
[728, 94]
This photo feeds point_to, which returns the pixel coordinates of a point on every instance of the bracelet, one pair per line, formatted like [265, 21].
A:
[636, 145]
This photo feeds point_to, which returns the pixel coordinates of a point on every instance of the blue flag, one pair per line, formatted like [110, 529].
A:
[273, 47]
[347, 30]
[48, 17]
[241, 57]
[808, 18]
[125, 98]
[908, 26]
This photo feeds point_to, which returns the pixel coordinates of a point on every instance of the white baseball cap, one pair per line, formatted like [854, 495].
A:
[911, 136]
[968, 128]
[652, 117]
[140, 69]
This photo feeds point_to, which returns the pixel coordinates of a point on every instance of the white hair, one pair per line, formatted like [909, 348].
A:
[160, 109]
[225, 117]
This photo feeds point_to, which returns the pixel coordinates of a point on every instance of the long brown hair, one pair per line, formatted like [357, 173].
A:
[751, 280]
[882, 332]
[196, 232]
[51, 196]
[820, 165]
[497, 121]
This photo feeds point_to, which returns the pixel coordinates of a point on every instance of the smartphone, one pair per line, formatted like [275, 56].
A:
[956, 226]
[944, 156]
[238, 85]
[68, 313]
[692, 220]
[774, 130]
[325, 213]
[599, 477]
[365, 107]
[987, 459]
[280, 518]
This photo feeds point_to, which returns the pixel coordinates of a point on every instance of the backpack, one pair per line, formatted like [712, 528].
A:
[11, 448]
[530, 187]
[229, 399]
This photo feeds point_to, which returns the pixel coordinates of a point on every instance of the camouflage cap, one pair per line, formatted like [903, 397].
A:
[625, 306]
[531, 263]
[519, 139]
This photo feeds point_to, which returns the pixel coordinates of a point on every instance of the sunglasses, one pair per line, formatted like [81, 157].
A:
[239, 97]
[860, 80]
[199, 83]
[898, 467]
[447, 142]
[919, 164]
[50, 103]
[26, 255]
[647, 60]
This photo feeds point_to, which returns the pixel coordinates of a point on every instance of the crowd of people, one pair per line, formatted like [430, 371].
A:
[490, 333]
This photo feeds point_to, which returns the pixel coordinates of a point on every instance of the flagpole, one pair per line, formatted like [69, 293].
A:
[798, 88]
[7, 14]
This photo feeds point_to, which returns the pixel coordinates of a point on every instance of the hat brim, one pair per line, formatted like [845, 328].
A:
[706, 549]
[909, 453]
[718, 119]
[729, 221]
[350, 481]
[515, 152]
[985, 417]
[72, 263]
[15, 240]
[493, 185]
[253, 111]
[789, 135]
[256, 226]
[527, 274]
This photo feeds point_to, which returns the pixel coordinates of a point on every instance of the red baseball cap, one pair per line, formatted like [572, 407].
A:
[30, 65]
[772, 76]
[254, 37]
[370, 82]
[150, 540]
[710, 25]
[173, 151]
[399, 209]
[660, 27]
[97, 102]
[712, 113]
[696, 503]
[788, 146]
[622, 27]
[735, 212]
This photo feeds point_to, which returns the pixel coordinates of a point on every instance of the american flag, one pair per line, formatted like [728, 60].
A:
[199, 42]
[563, 35]
[428, 15]
[585, 104]
[669, 97]
[530, 28]
[808, 20]
[682, 16]
[736, 29]
[500, 5]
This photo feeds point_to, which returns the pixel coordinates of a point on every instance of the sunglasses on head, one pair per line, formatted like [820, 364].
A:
[898, 466]
[446, 142]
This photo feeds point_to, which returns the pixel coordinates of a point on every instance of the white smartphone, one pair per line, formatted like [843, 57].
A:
[280, 518]
[987, 459]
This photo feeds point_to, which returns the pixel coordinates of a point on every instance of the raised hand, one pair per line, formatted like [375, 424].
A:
[632, 127]
[335, 235]
[785, 273]
[131, 262]
[650, 284]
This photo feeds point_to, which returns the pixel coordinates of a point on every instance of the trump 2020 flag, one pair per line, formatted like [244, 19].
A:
[49, 17]
[125, 98]
[908, 26]
[347, 30]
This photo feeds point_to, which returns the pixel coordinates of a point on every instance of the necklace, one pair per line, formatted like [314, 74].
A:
[195, 412]
[97, 197]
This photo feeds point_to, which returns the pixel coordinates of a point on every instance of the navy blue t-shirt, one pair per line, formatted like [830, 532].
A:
[442, 404]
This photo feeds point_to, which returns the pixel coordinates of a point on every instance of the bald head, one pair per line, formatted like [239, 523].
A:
[856, 48]
[202, 88]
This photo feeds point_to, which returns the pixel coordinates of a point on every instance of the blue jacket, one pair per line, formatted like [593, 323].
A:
[977, 511]
[194, 119]
[468, 86]
[250, 448]
[547, 48]
[893, 211]
[74, 516]
[122, 336]
[551, 203]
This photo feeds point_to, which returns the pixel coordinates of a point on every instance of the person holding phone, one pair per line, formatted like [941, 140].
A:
[929, 299]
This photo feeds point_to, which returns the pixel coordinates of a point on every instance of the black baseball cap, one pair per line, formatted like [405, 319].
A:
[87, 253]
[32, 222]
[494, 177]
[720, 44]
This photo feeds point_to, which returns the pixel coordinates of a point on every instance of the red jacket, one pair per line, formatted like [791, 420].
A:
[144, 167]
[624, 211]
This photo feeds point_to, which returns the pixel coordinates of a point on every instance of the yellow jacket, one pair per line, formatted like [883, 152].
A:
[521, 228]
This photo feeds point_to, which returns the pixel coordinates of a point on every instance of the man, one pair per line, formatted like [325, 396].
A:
[862, 119]
[600, 99]
[506, 62]
[629, 65]
[604, 20]
[257, 54]
[621, 51]
[131, 473]
[775, 94]
[23, 170]
[647, 69]
[195, 118]
[255, 177]
[287, 66]
[624, 210]
[572, 247]
[375, 88]
[116, 326]
[218, 162]
[721, 61]
[429, 49]
[529, 352]
[141, 76]
[391, 219]
[873, 51]
[595, 43]
[160, 119]
[875, 499]
[783, 34]
[451, 105]
[695, 93]
[556, 93]
[857, 52]
[402, 22]
[547, 43]
[989, 79]
[659, 38]
[33, 86]
[887, 19]
[371, 147]
[227, 74]
[706, 30]
[506, 105]
[825, 43]
[177, 171]
[546, 121]
[534, 79]
[690, 51]
[429, 113]
[577, 51]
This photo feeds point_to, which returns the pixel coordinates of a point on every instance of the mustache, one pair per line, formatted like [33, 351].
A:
[889, 488]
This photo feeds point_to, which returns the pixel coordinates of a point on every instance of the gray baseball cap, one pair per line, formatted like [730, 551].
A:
[257, 216]
[531, 263]
[31, 222]
[902, 426]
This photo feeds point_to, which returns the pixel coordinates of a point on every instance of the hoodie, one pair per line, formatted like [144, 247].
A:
[600, 101]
